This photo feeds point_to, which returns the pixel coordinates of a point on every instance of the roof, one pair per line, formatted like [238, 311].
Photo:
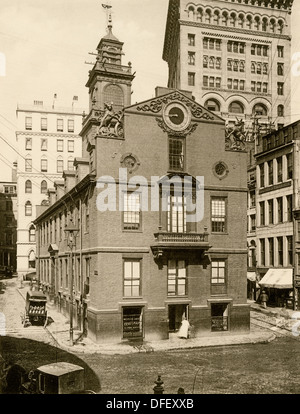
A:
[59, 368]
[278, 279]
[36, 294]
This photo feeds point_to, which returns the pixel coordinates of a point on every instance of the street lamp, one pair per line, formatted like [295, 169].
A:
[71, 232]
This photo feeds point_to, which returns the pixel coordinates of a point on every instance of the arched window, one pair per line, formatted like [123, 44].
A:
[28, 187]
[199, 14]
[212, 105]
[225, 18]
[241, 21]
[191, 12]
[257, 23]
[28, 208]
[232, 19]
[44, 187]
[253, 67]
[272, 25]
[280, 110]
[260, 109]
[249, 22]
[280, 26]
[264, 24]
[211, 62]
[216, 17]
[208, 16]
[236, 108]
[32, 233]
[114, 94]
[60, 164]
[31, 260]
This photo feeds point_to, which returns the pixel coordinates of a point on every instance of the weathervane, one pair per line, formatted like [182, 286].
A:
[108, 8]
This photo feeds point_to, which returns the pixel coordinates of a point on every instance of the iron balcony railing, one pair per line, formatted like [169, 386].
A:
[165, 237]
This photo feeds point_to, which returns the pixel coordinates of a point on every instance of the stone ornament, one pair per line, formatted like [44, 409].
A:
[130, 162]
[235, 137]
[220, 170]
[111, 123]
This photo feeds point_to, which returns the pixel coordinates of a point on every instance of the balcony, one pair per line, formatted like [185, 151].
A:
[165, 241]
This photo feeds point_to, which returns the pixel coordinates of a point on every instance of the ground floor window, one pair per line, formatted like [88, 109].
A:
[219, 317]
[133, 322]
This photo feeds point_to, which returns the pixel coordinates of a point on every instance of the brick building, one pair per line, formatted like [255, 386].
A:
[138, 271]
[8, 224]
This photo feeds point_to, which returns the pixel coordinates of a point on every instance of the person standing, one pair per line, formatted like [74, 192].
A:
[264, 299]
[184, 328]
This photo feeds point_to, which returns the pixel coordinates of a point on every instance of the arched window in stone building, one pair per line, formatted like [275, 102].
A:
[32, 233]
[249, 22]
[225, 18]
[114, 94]
[272, 25]
[236, 108]
[212, 105]
[31, 260]
[232, 20]
[280, 110]
[280, 26]
[207, 16]
[28, 208]
[241, 21]
[260, 109]
[216, 17]
[44, 187]
[264, 25]
[191, 12]
[28, 187]
[199, 14]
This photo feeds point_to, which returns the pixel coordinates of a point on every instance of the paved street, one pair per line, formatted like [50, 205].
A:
[261, 368]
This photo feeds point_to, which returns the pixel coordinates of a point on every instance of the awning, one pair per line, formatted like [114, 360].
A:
[278, 279]
[251, 276]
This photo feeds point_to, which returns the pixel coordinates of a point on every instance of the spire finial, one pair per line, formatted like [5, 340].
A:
[108, 8]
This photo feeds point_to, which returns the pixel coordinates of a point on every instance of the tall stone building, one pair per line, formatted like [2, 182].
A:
[142, 263]
[234, 56]
[47, 142]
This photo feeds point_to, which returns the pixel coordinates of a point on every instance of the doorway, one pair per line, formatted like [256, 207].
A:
[176, 313]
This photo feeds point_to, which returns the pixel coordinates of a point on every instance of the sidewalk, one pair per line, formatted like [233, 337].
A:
[59, 330]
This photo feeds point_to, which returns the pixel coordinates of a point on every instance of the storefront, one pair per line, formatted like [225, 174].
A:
[278, 284]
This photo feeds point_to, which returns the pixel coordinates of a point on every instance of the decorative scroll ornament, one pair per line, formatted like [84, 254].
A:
[189, 130]
[235, 137]
[111, 123]
[157, 104]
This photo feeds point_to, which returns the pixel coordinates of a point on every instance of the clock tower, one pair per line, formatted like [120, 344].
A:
[109, 86]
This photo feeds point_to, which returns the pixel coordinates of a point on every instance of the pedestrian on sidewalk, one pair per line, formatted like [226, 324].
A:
[184, 328]
[264, 299]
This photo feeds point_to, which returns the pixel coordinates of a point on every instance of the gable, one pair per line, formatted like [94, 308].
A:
[156, 106]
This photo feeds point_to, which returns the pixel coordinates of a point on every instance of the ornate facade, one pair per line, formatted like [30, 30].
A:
[143, 263]
[234, 56]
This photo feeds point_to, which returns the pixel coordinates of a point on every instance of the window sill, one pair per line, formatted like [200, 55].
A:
[132, 231]
[219, 234]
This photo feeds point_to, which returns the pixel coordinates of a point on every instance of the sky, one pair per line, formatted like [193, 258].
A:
[46, 44]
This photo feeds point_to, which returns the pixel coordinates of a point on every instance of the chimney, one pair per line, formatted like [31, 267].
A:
[59, 189]
[69, 180]
[82, 168]
[51, 196]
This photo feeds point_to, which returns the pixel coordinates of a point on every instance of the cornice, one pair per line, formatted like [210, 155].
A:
[234, 92]
[47, 134]
[234, 30]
